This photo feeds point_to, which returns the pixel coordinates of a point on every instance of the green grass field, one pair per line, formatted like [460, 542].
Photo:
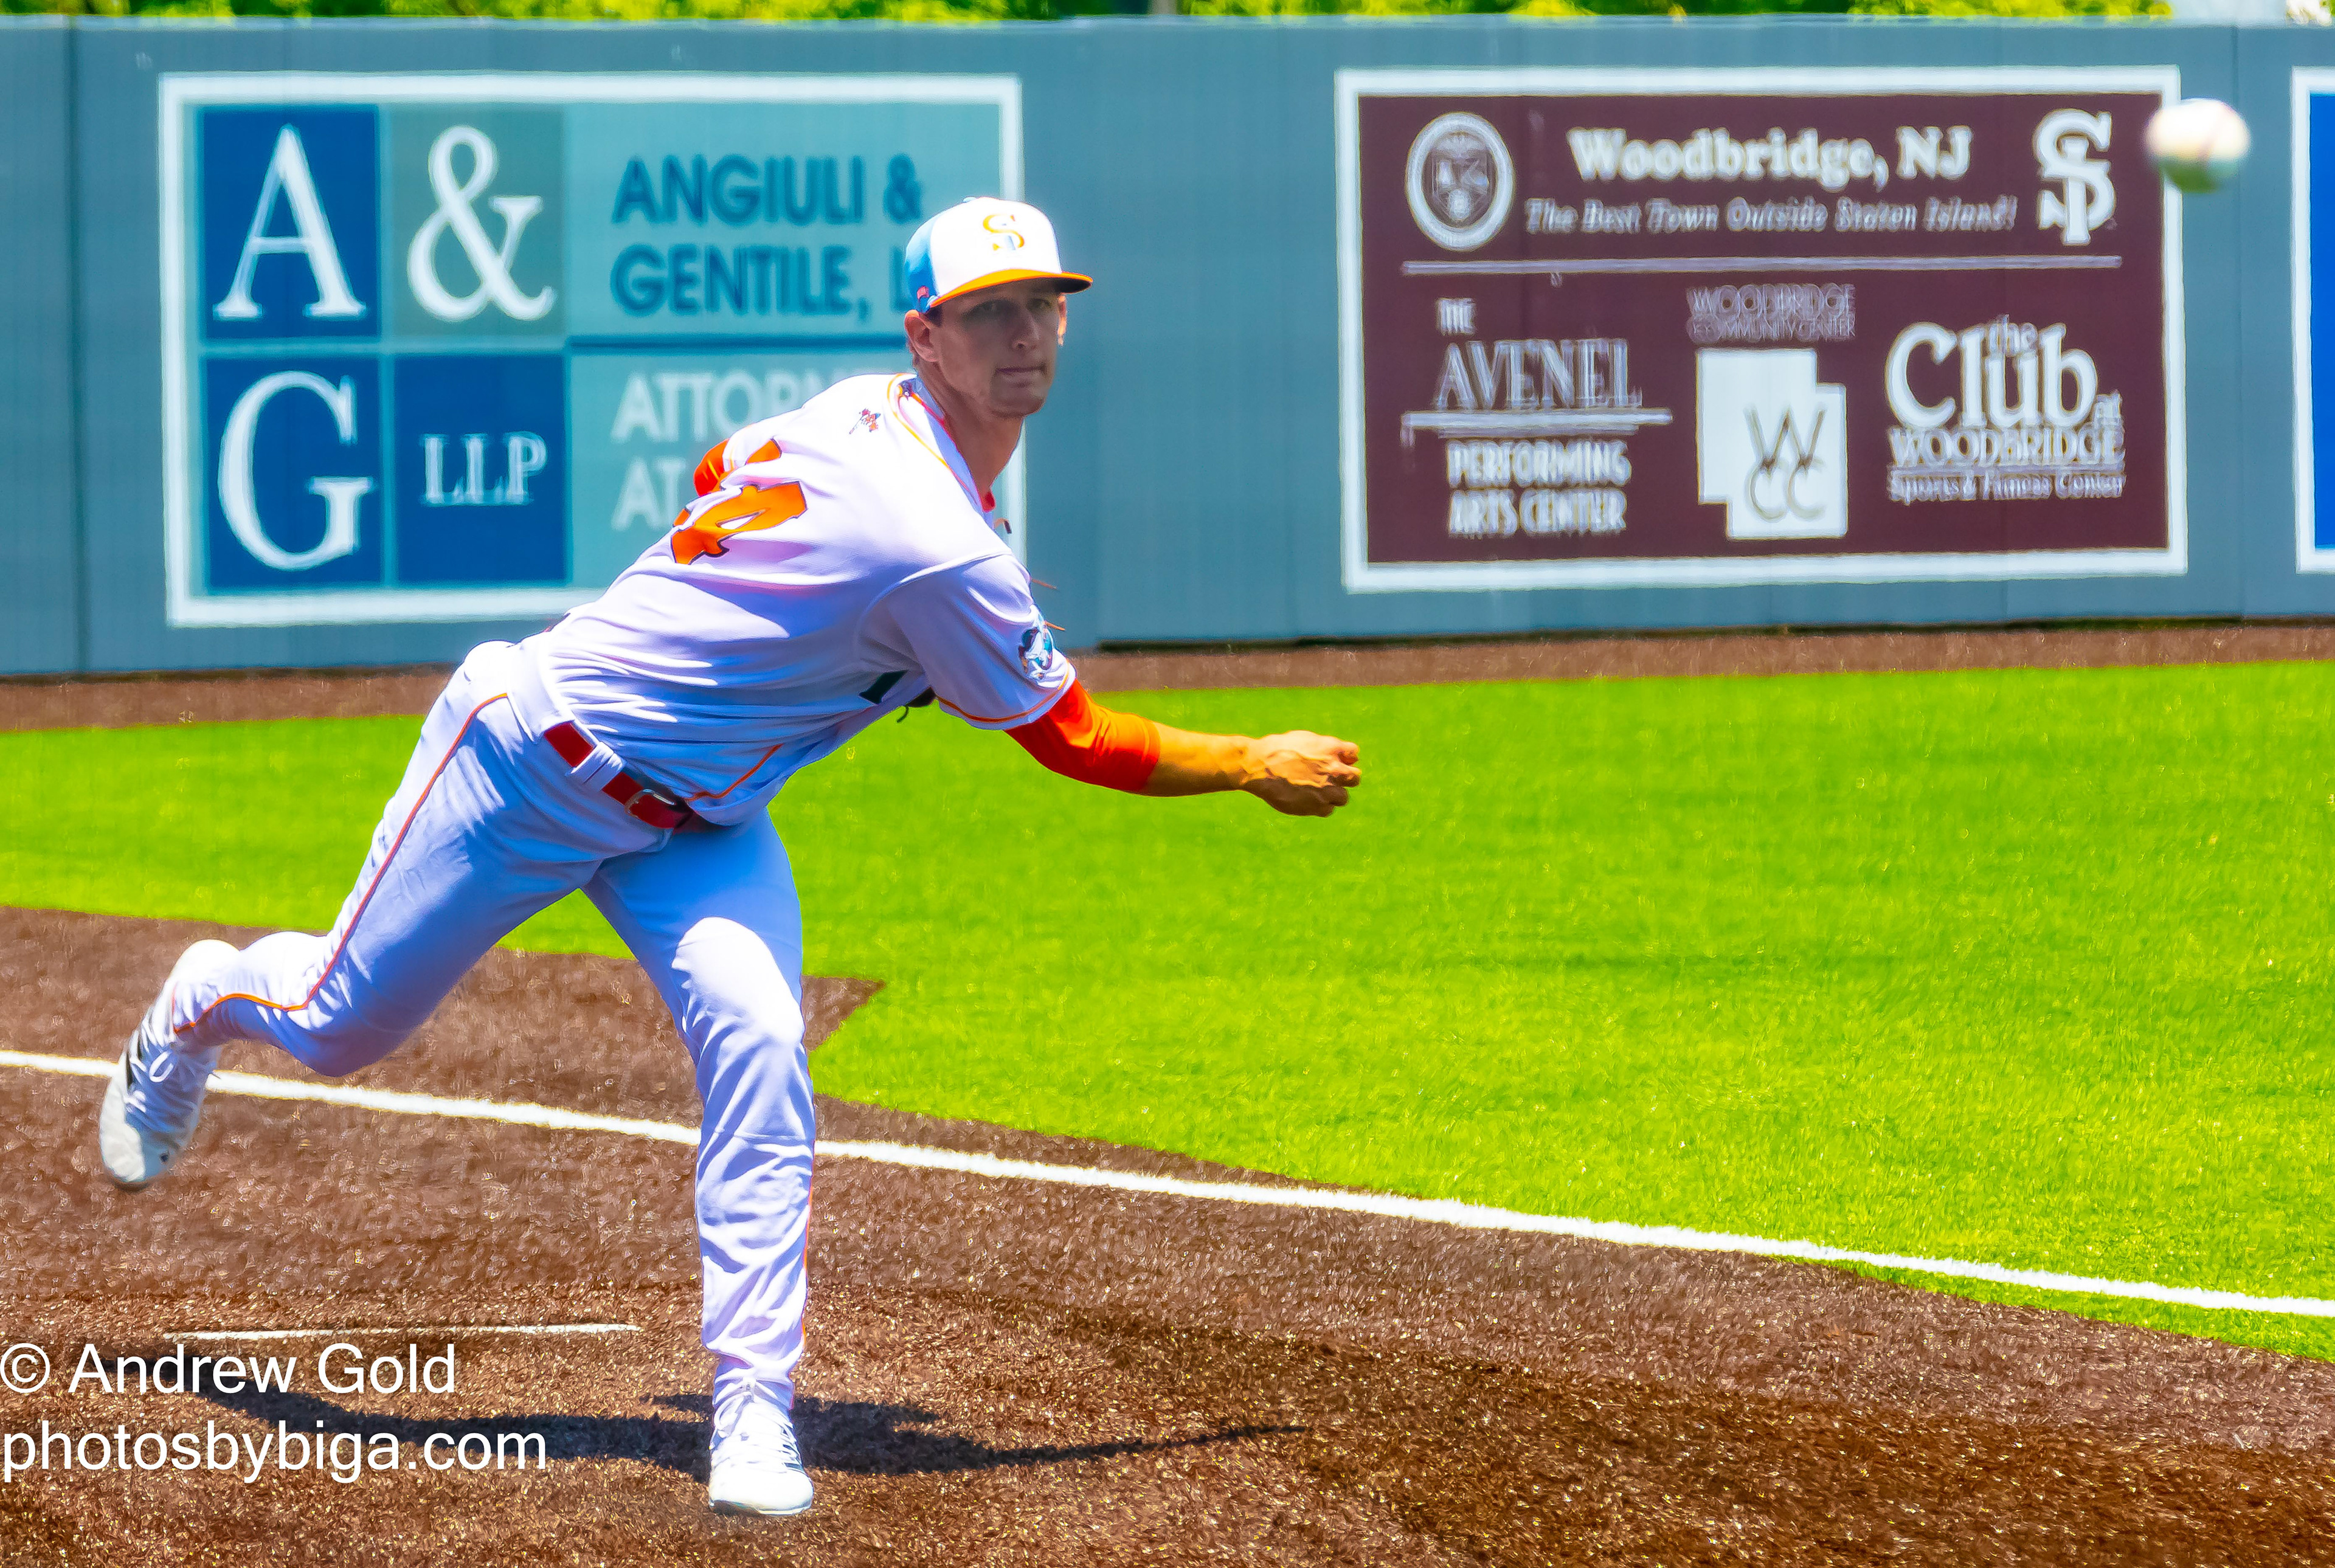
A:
[2026, 967]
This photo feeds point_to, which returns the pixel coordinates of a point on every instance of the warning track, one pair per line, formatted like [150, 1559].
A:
[37, 704]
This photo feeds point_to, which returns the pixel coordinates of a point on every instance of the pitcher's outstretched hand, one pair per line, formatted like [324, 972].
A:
[1303, 774]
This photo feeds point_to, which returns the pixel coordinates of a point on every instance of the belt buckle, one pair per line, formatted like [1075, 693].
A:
[651, 793]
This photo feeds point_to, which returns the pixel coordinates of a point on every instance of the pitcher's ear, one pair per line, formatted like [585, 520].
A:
[919, 329]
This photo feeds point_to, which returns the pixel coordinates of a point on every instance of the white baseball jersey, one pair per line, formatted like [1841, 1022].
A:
[845, 564]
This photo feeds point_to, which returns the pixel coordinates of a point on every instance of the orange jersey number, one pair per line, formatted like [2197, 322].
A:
[746, 512]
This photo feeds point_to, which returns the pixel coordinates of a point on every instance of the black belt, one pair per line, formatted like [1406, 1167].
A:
[645, 801]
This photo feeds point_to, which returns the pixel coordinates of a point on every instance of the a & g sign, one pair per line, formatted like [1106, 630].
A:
[449, 347]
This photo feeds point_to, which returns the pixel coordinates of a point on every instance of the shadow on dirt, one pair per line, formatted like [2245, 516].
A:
[856, 1437]
[861, 1438]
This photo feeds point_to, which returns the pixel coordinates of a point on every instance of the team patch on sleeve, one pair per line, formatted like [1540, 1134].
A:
[1037, 653]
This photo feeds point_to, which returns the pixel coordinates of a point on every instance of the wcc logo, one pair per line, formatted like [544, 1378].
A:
[374, 315]
[1771, 442]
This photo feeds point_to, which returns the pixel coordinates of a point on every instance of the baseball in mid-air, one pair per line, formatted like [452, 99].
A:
[2197, 143]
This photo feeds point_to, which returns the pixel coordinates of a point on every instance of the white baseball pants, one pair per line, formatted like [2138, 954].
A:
[490, 826]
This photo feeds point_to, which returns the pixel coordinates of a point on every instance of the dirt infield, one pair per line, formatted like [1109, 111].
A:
[1010, 1372]
[33, 704]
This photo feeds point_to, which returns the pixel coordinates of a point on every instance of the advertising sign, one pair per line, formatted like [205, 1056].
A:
[2314, 348]
[1696, 327]
[449, 347]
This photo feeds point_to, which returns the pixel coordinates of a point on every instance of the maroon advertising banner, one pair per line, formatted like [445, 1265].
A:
[1738, 326]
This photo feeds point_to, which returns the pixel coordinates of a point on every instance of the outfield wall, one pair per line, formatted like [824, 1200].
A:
[1210, 468]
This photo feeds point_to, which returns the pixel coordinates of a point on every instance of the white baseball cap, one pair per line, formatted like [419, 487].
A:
[979, 242]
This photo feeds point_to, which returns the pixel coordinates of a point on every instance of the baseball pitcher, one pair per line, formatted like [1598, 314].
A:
[839, 563]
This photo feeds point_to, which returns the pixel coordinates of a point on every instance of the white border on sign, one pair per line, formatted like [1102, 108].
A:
[182, 92]
[2308, 555]
[1360, 577]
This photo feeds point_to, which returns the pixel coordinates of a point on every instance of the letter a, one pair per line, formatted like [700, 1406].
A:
[288, 177]
[91, 1365]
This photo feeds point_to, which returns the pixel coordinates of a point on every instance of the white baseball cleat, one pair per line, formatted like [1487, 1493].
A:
[152, 1104]
[758, 1468]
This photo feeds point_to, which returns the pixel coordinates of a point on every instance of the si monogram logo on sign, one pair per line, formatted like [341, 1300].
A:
[2085, 198]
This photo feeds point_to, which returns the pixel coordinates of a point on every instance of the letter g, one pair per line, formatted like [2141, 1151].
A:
[356, 1369]
[241, 504]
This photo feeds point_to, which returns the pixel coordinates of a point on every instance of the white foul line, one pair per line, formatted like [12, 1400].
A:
[260, 1087]
[1384, 1206]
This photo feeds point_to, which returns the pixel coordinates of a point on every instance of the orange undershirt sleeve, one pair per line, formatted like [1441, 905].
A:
[1080, 738]
[712, 468]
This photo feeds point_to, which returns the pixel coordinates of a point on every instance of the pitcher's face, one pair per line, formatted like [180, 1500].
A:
[995, 346]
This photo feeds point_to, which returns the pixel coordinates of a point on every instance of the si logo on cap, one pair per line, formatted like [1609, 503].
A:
[978, 243]
[1000, 226]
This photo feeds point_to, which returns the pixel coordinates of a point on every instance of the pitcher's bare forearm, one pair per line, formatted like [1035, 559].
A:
[1298, 772]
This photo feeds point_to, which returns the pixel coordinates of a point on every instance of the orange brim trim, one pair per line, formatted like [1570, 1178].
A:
[1072, 283]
